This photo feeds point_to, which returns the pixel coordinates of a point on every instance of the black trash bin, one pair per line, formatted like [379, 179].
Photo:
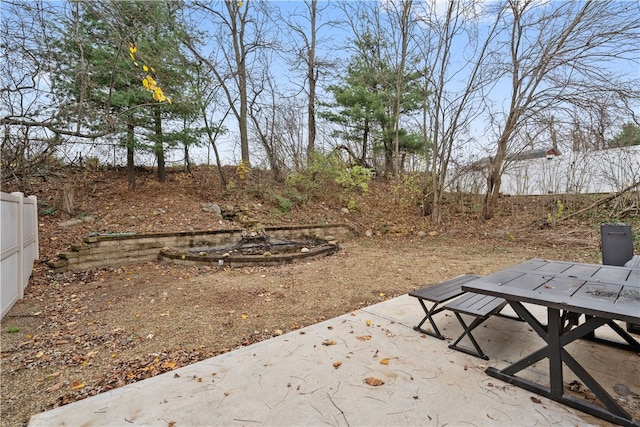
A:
[617, 248]
[617, 244]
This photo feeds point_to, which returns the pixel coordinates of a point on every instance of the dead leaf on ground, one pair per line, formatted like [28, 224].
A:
[57, 386]
[535, 399]
[337, 364]
[329, 342]
[364, 337]
[77, 385]
[373, 381]
[384, 361]
[170, 364]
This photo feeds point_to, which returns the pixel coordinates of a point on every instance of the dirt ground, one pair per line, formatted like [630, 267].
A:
[77, 334]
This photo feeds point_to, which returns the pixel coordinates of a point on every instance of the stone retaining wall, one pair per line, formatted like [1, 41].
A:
[109, 250]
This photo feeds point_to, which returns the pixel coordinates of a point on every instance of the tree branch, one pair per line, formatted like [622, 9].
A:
[600, 202]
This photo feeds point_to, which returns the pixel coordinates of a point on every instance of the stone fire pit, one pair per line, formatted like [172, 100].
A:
[255, 248]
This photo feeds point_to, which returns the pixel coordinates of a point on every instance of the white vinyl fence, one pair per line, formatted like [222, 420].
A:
[18, 246]
[604, 171]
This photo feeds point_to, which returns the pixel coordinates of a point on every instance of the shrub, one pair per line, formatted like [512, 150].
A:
[329, 176]
[284, 203]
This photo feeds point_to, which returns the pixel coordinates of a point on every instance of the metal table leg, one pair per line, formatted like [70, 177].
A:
[554, 350]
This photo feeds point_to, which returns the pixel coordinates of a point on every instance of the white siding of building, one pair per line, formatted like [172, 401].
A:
[603, 171]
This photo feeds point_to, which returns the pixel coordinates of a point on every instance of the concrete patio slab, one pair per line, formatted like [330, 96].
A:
[316, 376]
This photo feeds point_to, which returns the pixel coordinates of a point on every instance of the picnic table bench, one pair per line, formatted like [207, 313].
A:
[481, 307]
[437, 294]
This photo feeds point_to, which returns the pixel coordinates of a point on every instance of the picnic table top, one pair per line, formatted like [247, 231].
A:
[599, 290]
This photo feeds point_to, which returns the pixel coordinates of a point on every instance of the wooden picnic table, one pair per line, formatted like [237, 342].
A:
[568, 290]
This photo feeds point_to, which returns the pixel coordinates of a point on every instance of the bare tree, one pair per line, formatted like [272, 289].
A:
[241, 30]
[206, 91]
[263, 112]
[290, 128]
[554, 54]
[305, 38]
[402, 15]
[450, 104]
[27, 107]
[277, 122]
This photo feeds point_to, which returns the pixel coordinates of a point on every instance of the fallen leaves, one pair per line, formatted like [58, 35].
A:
[57, 386]
[373, 381]
[329, 342]
[170, 364]
[337, 364]
[53, 375]
[364, 337]
[77, 385]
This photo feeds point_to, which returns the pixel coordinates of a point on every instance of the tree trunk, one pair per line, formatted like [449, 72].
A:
[67, 203]
[244, 134]
[241, 65]
[131, 177]
[312, 77]
[389, 163]
[436, 204]
[404, 25]
[494, 180]
[365, 142]
[187, 161]
[159, 148]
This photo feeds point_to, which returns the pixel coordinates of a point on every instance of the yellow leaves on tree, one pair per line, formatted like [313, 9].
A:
[149, 82]
[132, 53]
[243, 170]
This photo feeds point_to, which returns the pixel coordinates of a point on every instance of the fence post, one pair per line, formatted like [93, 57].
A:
[36, 225]
[20, 239]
